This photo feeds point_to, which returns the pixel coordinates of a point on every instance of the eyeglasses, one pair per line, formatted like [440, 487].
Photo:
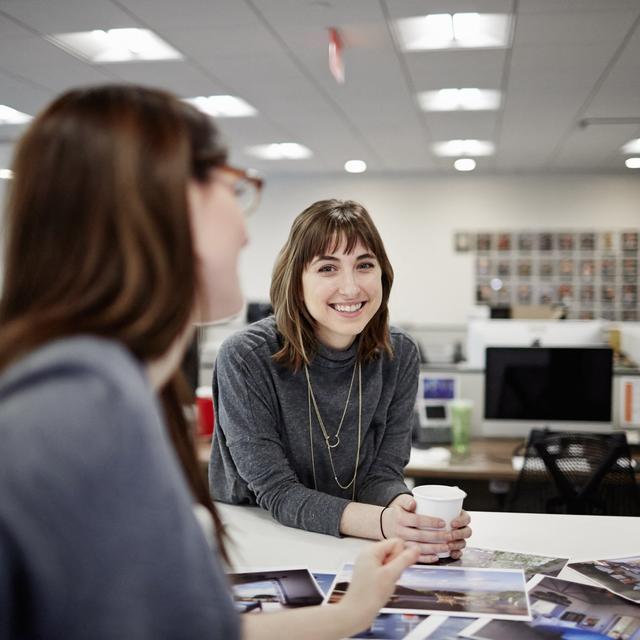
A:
[246, 185]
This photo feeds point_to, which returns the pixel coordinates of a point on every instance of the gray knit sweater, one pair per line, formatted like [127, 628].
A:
[261, 451]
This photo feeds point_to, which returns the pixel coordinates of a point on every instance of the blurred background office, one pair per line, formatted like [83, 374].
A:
[496, 143]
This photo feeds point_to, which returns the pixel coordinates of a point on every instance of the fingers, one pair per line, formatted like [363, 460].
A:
[420, 522]
[461, 534]
[405, 501]
[385, 550]
[425, 536]
[461, 521]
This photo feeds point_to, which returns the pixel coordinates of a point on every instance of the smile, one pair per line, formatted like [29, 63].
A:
[348, 308]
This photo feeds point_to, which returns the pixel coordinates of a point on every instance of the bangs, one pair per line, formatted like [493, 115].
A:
[328, 233]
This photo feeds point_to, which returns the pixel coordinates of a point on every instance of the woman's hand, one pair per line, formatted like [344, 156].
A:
[375, 574]
[427, 533]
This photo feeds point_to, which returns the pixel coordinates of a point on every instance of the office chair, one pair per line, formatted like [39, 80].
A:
[576, 473]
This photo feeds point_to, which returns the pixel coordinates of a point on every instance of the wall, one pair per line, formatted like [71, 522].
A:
[417, 217]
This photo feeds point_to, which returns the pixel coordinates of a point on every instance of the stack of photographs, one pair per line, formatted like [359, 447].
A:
[591, 274]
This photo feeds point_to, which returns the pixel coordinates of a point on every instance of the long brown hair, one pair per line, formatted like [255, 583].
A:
[98, 232]
[322, 228]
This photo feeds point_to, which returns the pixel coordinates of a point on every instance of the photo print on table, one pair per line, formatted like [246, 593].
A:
[386, 626]
[451, 591]
[274, 589]
[565, 610]
[617, 575]
[494, 558]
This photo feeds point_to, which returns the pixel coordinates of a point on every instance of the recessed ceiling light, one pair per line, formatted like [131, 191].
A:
[355, 166]
[465, 164]
[8, 115]
[223, 106]
[115, 45]
[633, 146]
[469, 99]
[6, 174]
[454, 31]
[452, 148]
[280, 151]
[632, 163]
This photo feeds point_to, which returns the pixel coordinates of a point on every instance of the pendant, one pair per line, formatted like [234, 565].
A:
[335, 444]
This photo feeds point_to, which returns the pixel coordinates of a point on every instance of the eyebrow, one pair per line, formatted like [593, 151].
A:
[364, 256]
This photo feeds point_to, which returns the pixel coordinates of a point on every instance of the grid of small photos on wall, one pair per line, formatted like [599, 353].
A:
[593, 274]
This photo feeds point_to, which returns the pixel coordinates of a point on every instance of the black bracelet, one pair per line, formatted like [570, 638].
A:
[381, 529]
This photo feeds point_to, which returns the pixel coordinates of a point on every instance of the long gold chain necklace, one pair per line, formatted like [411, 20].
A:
[327, 438]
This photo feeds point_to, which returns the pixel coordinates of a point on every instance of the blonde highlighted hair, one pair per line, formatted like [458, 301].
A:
[320, 229]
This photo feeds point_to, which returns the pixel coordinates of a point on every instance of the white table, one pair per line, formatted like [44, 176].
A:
[258, 541]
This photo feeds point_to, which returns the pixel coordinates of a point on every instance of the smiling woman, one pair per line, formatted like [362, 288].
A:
[314, 405]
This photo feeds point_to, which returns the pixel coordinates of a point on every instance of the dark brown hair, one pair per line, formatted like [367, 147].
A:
[321, 228]
[98, 232]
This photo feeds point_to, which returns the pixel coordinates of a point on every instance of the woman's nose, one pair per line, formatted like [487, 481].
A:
[349, 286]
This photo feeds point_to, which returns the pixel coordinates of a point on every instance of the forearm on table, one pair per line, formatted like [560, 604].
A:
[311, 623]
[295, 505]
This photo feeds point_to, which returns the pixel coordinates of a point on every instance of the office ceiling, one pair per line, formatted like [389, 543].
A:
[570, 79]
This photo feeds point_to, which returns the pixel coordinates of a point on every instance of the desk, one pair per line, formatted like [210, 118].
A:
[488, 459]
[258, 541]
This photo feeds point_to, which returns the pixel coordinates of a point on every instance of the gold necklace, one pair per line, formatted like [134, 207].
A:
[311, 399]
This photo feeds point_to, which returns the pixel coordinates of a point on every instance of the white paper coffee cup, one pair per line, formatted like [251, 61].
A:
[439, 501]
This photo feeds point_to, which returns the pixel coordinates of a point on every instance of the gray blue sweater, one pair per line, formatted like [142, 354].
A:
[261, 451]
[97, 534]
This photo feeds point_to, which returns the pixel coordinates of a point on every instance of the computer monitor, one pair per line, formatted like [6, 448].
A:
[562, 388]
[526, 333]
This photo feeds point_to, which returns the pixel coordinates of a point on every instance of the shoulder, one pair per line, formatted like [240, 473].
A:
[72, 389]
[258, 341]
[404, 345]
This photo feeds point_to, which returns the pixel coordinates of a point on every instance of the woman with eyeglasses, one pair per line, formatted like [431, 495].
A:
[123, 230]
[314, 405]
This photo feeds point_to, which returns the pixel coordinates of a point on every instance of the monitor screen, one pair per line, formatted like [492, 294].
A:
[438, 388]
[549, 384]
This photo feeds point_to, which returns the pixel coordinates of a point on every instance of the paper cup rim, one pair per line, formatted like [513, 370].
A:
[459, 493]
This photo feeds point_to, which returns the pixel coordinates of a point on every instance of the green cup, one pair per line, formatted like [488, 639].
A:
[460, 425]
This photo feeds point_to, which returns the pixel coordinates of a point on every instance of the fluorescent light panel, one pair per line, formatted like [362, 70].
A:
[223, 106]
[8, 115]
[280, 151]
[6, 174]
[454, 31]
[453, 148]
[465, 164]
[632, 163]
[469, 99]
[633, 146]
[115, 45]
[355, 166]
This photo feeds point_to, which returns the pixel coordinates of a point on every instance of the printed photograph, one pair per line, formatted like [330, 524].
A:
[630, 315]
[608, 294]
[565, 293]
[566, 241]
[608, 268]
[546, 269]
[273, 590]
[526, 241]
[587, 294]
[524, 294]
[629, 295]
[608, 241]
[491, 558]
[587, 241]
[484, 242]
[547, 295]
[387, 626]
[565, 610]
[504, 268]
[629, 269]
[545, 242]
[618, 575]
[525, 268]
[504, 242]
[630, 241]
[587, 269]
[463, 241]
[451, 591]
[565, 268]
[484, 266]
[483, 292]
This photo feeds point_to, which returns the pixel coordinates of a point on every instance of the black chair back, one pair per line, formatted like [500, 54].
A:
[576, 473]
